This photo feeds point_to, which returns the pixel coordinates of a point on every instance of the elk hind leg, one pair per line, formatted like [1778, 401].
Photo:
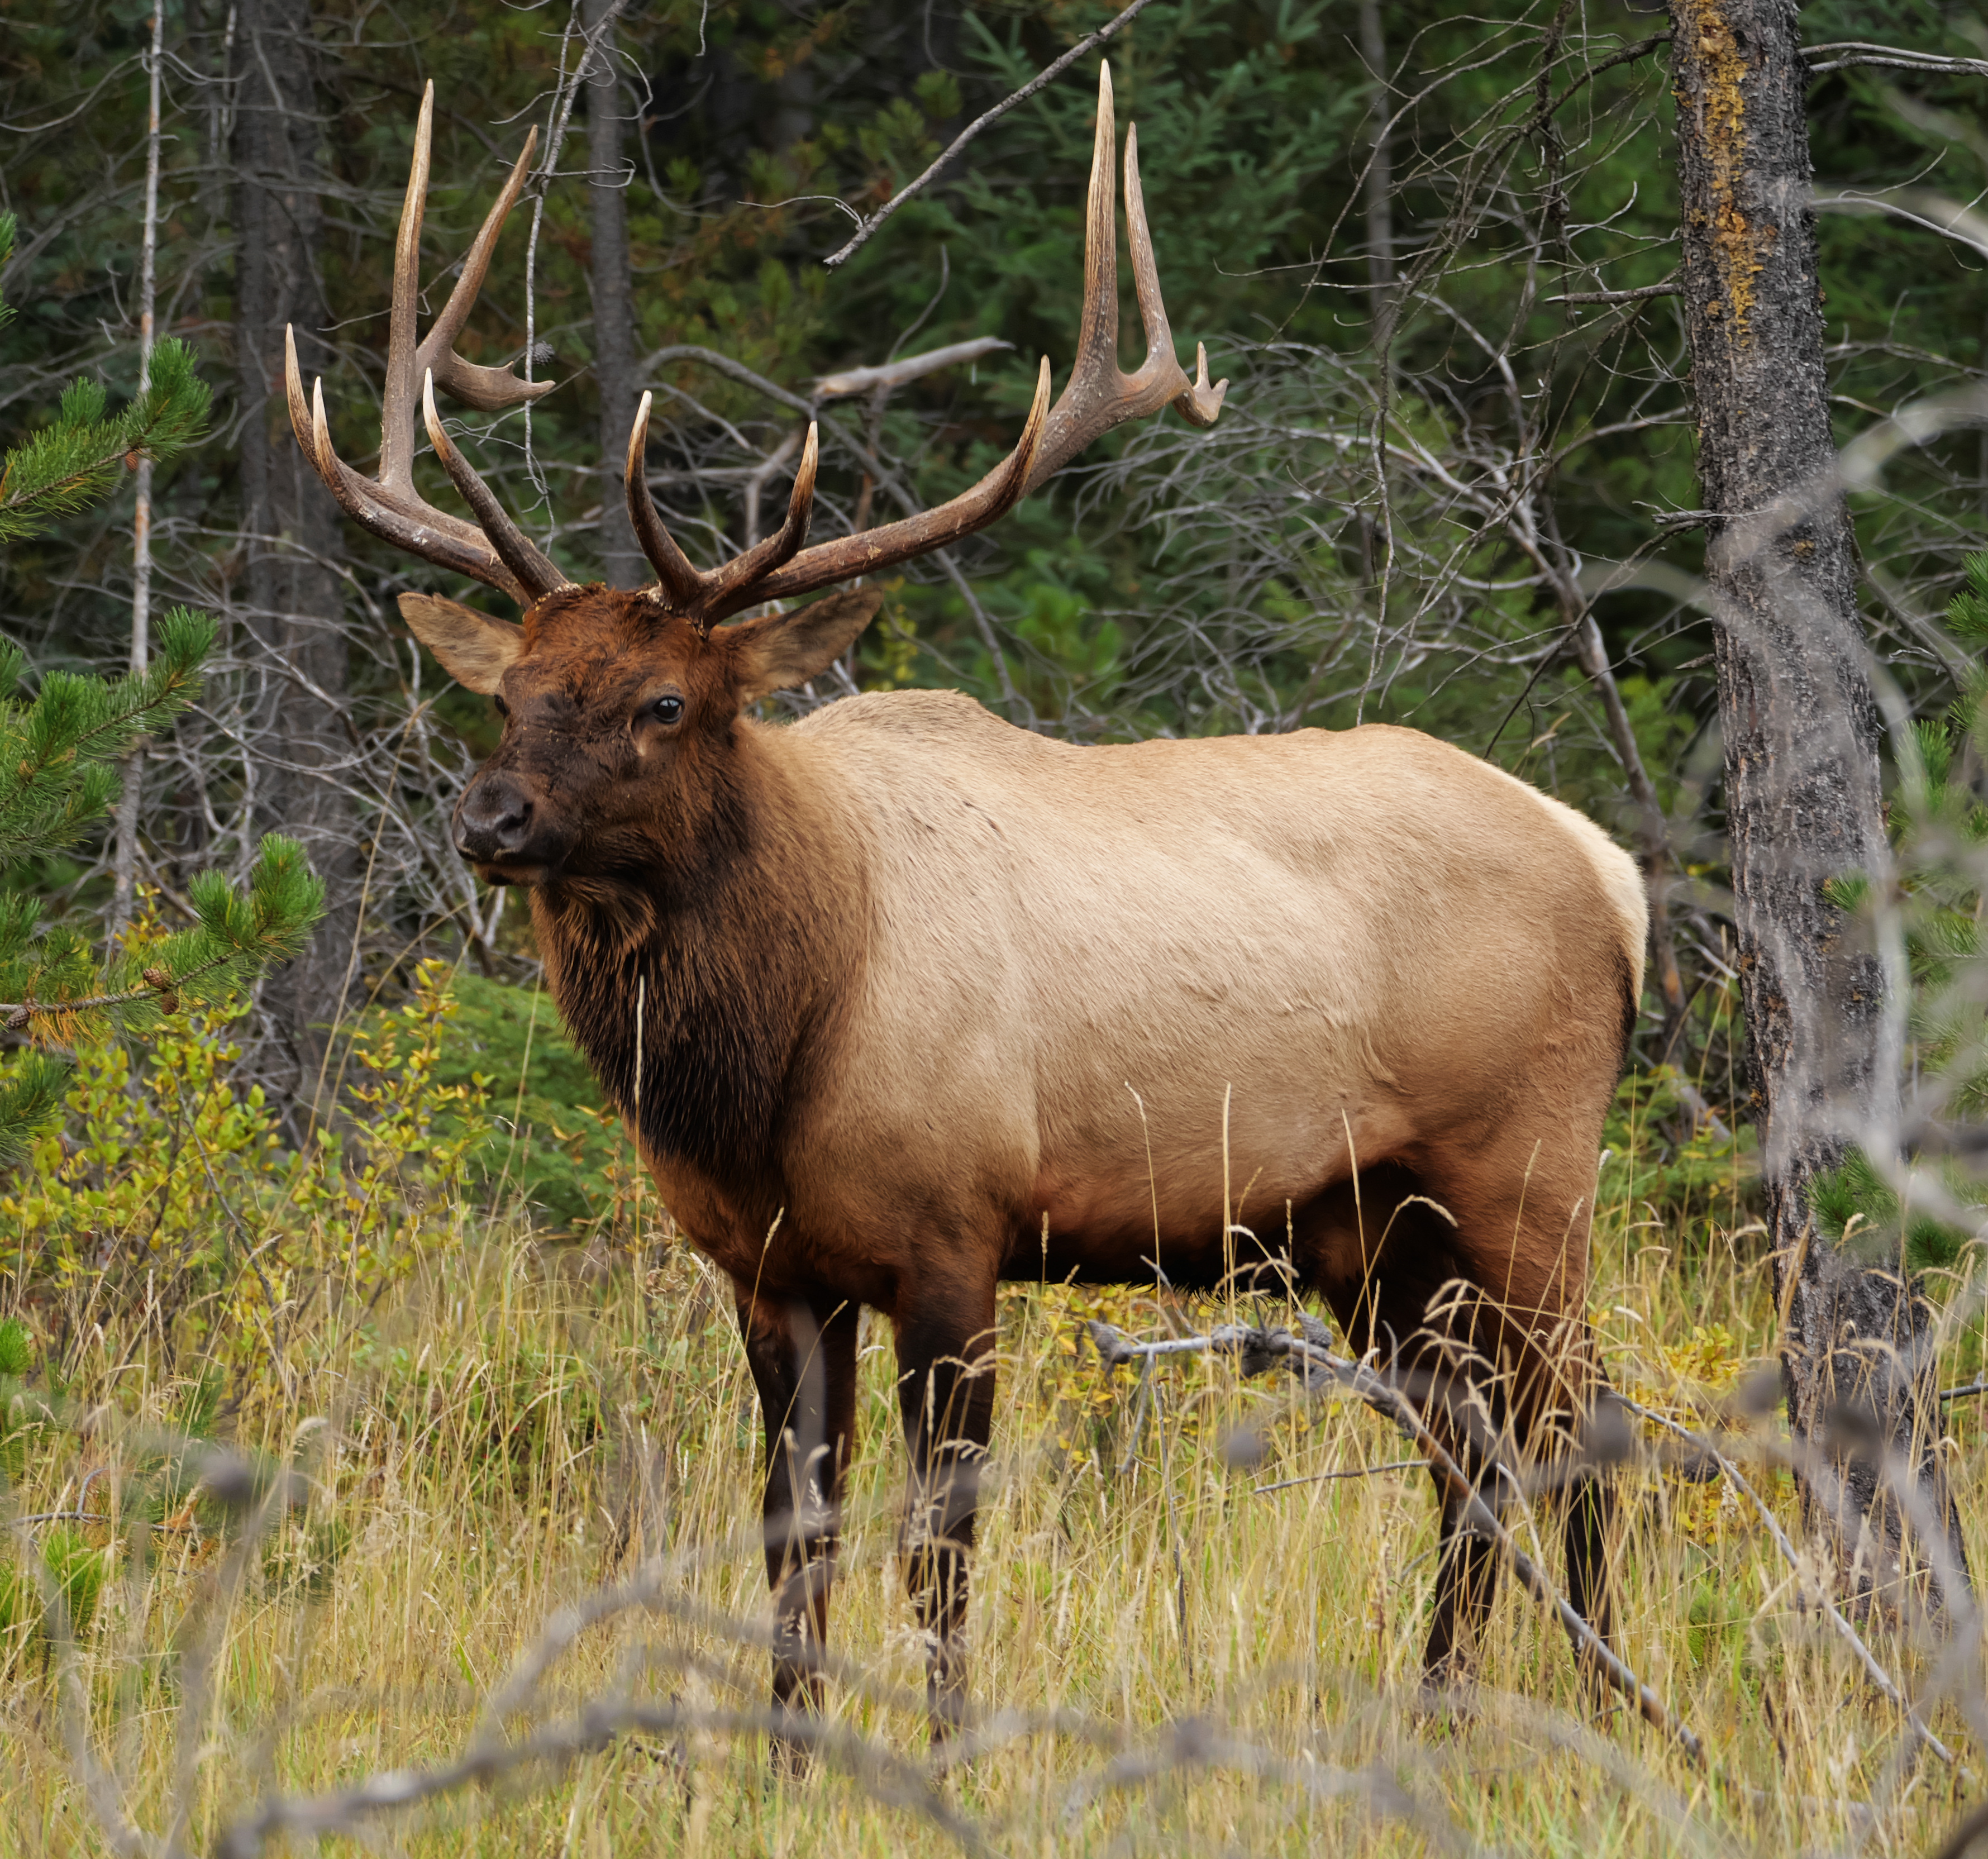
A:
[803, 1357]
[1523, 1248]
[946, 1391]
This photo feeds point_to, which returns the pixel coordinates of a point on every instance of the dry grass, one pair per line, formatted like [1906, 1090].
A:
[1231, 1671]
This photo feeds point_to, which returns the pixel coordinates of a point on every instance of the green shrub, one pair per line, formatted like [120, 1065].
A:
[548, 1135]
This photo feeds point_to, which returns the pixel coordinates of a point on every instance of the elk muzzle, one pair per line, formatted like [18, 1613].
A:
[500, 829]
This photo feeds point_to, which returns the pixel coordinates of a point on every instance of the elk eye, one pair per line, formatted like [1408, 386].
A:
[503, 708]
[668, 710]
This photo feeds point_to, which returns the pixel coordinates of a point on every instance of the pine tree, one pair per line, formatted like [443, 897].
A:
[59, 752]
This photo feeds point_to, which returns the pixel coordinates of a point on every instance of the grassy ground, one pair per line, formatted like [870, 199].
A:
[514, 1424]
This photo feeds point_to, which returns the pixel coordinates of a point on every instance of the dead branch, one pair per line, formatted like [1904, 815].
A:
[891, 375]
[1855, 51]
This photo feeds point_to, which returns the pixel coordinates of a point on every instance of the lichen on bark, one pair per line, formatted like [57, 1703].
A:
[1720, 102]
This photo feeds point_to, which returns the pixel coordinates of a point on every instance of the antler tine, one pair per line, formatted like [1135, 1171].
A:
[397, 399]
[534, 568]
[401, 519]
[488, 390]
[498, 553]
[744, 574]
[1196, 402]
[1099, 395]
[849, 557]
[677, 580]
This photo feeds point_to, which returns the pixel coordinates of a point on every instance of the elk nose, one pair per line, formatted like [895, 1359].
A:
[493, 818]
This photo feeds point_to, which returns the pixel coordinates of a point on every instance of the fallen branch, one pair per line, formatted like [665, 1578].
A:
[1261, 1348]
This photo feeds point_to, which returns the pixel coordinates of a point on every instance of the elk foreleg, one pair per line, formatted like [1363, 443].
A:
[945, 1389]
[802, 1357]
[1466, 1577]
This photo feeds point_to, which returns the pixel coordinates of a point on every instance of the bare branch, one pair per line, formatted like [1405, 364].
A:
[1855, 52]
[1048, 75]
[895, 374]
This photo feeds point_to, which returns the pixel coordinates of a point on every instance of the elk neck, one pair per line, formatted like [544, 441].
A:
[734, 951]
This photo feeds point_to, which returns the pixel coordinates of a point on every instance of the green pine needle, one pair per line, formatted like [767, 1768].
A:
[59, 753]
[83, 456]
[31, 1096]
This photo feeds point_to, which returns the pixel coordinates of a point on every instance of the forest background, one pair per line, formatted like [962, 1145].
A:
[1453, 488]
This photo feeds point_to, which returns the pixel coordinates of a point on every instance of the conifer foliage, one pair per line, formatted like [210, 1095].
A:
[59, 746]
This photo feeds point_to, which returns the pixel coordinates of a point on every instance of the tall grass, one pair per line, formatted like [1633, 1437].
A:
[1186, 1663]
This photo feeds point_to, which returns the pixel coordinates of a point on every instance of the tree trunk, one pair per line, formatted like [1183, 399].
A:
[1380, 186]
[295, 650]
[614, 309]
[124, 856]
[1803, 797]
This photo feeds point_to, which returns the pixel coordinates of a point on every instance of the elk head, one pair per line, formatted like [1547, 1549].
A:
[620, 707]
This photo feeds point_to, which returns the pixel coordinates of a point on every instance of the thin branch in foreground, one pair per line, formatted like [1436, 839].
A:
[1259, 1348]
[1837, 1619]
[888, 1776]
[1048, 75]
[1196, 1743]
[1855, 52]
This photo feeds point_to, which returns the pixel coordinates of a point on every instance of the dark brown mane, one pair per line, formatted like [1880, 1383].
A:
[732, 958]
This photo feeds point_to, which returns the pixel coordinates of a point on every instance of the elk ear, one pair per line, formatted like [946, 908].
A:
[474, 650]
[779, 650]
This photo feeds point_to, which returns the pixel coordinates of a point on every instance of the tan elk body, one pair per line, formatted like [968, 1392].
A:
[900, 1000]
[1088, 987]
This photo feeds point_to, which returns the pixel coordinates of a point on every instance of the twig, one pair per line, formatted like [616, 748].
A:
[1195, 1744]
[1641, 295]
[1957, 1393]
[889, 1777]
[92, 1516]
[1321, 1477]
[691, 351]
[1048, 75]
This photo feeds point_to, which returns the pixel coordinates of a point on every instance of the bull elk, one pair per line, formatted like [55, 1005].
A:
[899, 1001]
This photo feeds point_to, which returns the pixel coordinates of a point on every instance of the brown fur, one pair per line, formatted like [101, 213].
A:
[916, 987]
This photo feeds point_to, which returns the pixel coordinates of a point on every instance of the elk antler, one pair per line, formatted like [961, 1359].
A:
[497, 553]
[1098, 397]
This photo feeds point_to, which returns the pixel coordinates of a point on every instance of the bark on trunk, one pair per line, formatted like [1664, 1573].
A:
[295, 646]
[1802, 787]
[1380, 186]
[614, 309]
